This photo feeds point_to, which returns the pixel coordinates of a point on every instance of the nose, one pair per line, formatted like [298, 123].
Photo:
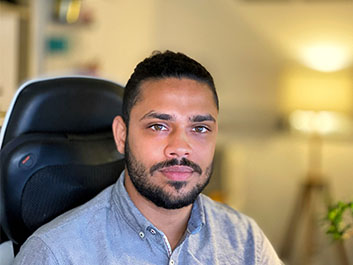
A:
[178, 145]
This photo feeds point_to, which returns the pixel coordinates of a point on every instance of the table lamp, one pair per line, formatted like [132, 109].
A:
[317, 104]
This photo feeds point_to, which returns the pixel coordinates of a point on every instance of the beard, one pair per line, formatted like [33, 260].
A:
[140, 178]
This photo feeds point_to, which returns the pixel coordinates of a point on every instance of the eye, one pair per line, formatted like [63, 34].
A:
[158, 127]
[201, 129]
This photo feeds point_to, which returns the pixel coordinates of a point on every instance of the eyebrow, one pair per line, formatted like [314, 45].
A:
[202, 118]
[168, 117]
[156, 115]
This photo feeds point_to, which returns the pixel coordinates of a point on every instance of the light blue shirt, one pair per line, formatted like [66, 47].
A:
[109, 229]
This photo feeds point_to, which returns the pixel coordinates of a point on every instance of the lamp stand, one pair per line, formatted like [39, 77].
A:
[313, 187]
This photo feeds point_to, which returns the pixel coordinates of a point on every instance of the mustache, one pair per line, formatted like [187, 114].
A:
[175, 162]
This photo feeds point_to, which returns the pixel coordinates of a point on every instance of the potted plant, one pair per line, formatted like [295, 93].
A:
[340, 228]
[340, 218]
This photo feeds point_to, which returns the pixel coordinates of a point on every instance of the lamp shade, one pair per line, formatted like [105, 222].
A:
[306, 89]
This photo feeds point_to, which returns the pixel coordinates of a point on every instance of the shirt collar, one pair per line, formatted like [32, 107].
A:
[197, 218]
[124, 205]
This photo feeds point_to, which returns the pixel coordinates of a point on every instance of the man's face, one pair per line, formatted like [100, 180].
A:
[171, 141]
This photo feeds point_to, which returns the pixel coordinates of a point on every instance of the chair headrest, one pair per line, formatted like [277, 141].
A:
[64, 104]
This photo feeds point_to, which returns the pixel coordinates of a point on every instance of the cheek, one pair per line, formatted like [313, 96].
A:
[149, 151]
[203, 154]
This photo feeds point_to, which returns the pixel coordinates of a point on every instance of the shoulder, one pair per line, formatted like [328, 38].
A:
[36, 253]
[67, 236]
[224, 213]
[233, 226]
[76, 223]
[237, 231]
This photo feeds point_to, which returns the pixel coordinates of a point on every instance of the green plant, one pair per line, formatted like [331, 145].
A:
[339, 226]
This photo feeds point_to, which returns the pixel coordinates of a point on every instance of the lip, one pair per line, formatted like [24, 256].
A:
[177, 173]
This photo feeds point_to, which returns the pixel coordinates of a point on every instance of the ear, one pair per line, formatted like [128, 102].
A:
[119, 132]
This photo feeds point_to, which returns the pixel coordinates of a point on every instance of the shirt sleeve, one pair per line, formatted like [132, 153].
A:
[268, 255]
[264, 251]
[35, 252]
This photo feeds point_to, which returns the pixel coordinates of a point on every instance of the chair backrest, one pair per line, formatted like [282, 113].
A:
[56, 150]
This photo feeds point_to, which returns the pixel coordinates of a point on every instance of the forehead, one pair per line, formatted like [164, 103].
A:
[176, 94]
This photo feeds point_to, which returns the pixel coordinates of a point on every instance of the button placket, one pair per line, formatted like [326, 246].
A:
[152, 230]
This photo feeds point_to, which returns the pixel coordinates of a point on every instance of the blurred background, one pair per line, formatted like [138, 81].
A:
[284, 74]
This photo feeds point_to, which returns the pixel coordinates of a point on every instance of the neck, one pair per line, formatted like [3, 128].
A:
[172, 223]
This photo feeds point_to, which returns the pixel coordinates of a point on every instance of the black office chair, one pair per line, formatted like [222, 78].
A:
[56, 150]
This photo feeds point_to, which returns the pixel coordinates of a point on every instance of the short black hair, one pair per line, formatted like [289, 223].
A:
[164, 65]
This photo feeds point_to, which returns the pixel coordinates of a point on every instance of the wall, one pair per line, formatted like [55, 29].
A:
[244, 66]
[124, 33]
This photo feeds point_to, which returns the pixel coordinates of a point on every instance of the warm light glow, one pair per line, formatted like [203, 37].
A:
[316, 101]
[325, 57]
[306, 89]
[322, 122]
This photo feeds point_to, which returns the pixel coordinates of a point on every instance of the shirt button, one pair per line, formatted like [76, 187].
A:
[141, 234]
[171, 262]
[153, 232]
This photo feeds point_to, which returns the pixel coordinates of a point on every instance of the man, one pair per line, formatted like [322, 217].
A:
[155, 213]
